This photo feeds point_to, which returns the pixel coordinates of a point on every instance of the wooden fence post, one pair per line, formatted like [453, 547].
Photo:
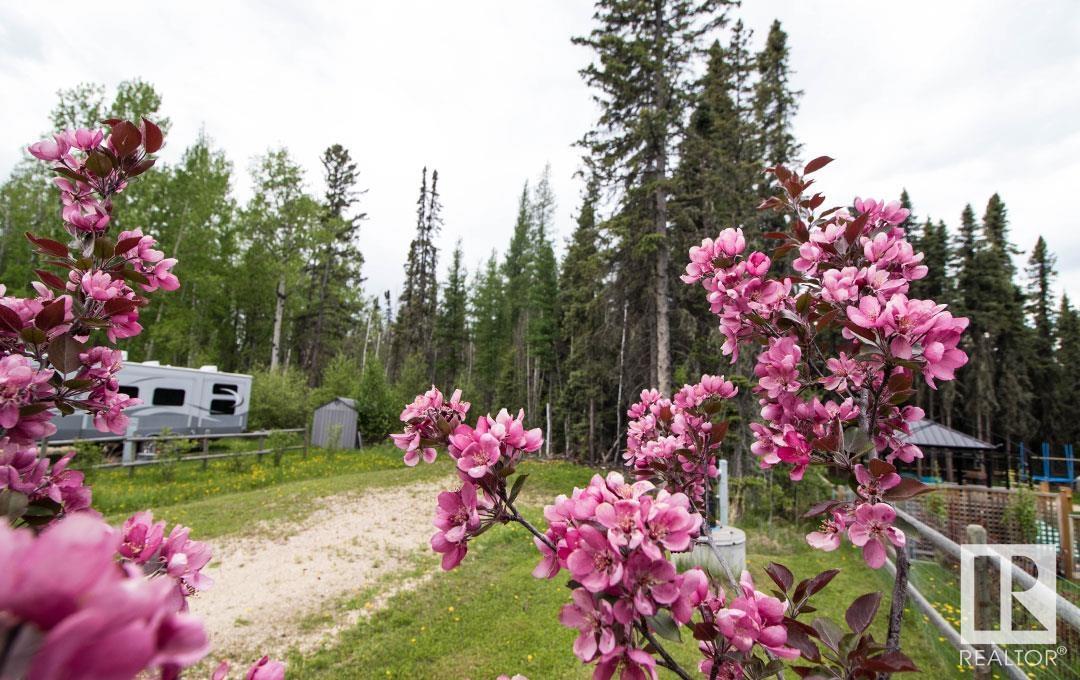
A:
[307, 439]
[262, 445]
[205, 448]
[984, 597]
[1065, 527]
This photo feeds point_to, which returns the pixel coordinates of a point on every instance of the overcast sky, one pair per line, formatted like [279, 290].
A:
[952, 100]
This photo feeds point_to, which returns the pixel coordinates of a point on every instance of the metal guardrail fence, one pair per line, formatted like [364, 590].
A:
[940, 611]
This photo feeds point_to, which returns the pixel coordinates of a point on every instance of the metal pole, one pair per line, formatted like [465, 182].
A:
[722, 495]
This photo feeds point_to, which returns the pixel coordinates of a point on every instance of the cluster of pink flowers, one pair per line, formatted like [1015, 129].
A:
[429, 419]
[78, 598]
[93, 167]
[676, 440]
[175, 556]
[730, 630]
[485, 456]
[868, 521]
[24, 472]
[613, 537]
[738, 290]
[855, 269]
[57, 322]
[70, 610]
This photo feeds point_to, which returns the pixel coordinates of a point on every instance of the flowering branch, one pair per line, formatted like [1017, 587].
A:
[616, 538]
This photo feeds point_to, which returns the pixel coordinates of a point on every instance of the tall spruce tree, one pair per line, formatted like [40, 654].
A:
[1040, 275]
[642, 73]
[452, 329]
[543, 299]
[419, 298]
[775, 105]
[1066, 394]
[587, 394]
[334, 275]
[489, 319]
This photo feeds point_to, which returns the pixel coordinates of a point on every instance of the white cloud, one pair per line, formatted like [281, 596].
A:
[951, 100]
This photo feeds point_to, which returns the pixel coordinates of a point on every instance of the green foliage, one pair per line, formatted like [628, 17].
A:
[340, 378]
[1021, 514]
[377, 404]
[279, 400]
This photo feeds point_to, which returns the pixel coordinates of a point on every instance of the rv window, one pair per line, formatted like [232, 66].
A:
[225, 407]
[129, 390]
[164, 396]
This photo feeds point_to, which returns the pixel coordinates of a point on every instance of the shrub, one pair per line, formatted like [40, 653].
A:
[376, 403]
[279, 399]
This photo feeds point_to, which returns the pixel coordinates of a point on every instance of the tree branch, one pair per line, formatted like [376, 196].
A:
[669, 662]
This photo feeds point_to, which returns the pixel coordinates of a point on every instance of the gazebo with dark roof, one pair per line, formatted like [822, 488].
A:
[952, 456]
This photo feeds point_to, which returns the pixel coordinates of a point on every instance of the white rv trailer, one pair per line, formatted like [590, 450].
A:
[185, 400]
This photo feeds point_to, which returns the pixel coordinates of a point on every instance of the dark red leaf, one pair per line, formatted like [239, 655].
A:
[126, 244]
[778, 235]
[119, 306]
[48, 246]
[880, 468]
[818, 582]
[152, 137]
[64, 353]
[9, 320]
[141, 167]
[780, 575]
[817, 164]
[861, 612]
[907, 488]
[797, 638]
[51, 280]
[898, 382]
[99, 164]
[125, 138]
[820, 508]
[50, 316]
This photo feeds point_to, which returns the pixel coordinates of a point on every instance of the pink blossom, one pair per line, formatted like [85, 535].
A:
[594, 620]
[456, 519]
[86, 616]
[631, 664]
[827, 538]
[183, 559]
[20, 384]
[650, 583]
[843, 371]
[755, 618]
[142, 537]
[476, 452]
[871, 487]
[867, 314]
[111, 417]
[50, 150]
[871, 528]
[592, 562]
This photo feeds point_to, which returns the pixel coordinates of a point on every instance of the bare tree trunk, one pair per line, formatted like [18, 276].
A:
[592, 429]
[622, 363]
[663, 332]
[279, 318]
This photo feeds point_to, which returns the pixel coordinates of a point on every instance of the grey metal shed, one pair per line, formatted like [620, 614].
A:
[339, 413]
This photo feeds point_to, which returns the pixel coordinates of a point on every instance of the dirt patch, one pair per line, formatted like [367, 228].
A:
[271, 595]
